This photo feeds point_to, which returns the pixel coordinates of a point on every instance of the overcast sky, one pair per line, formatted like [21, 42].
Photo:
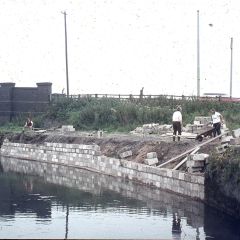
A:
[120, 46]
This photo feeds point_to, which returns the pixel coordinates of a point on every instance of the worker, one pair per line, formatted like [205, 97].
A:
[29, 124]
[217, 121]
[177, 123]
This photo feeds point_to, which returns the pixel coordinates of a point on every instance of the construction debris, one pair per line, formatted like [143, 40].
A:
[67, 128]
[152, 128]
[196, 162]
[151, 159]
[185, 159]
[126, 154]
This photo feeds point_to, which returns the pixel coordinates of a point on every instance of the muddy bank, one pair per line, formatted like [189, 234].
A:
[111, 145]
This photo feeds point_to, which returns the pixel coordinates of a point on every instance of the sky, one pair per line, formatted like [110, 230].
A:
[120, 46]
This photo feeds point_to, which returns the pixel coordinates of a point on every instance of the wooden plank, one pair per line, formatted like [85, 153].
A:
[186, 158]
[190, 150]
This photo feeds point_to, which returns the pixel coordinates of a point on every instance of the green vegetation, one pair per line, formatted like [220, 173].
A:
[125, 115]
[223, 180]
[225, 168]
[11, 127]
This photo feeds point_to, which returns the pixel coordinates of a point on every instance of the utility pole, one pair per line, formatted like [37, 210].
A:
[231, 63]
[198, 57]
[66, 52]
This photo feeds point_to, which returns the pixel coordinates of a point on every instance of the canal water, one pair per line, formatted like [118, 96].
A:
[39, 200]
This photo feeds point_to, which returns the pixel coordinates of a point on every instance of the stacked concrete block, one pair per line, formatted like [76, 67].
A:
[151, 159]
[202, 120]
[67, 128]
[152, 128]
[199, 124]
[197, 162]
[226, 139]
[235, 141]
[235, 144]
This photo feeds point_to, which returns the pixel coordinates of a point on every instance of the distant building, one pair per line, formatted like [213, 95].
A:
[214, 94]
[15, 101]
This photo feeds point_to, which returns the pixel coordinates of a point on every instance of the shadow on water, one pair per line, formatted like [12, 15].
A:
[34, 186]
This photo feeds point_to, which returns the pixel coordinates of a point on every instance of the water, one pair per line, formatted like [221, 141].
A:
[44, 201]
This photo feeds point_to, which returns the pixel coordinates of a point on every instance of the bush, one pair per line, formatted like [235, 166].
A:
[125, 115]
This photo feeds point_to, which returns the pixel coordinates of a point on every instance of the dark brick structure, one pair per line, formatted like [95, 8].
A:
[23, 100]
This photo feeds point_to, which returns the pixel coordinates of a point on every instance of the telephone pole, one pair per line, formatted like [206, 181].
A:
[198, 57]
[66, 51]
[231, 63]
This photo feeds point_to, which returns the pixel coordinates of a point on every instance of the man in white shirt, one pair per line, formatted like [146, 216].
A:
[177, 123]
[217, 120]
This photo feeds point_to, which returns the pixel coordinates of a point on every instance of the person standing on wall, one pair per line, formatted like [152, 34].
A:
[217, 120]
[177, 123]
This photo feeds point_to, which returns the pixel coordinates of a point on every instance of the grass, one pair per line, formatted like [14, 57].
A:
[125, 115]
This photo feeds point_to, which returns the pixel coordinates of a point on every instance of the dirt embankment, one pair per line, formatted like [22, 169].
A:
[112, 145]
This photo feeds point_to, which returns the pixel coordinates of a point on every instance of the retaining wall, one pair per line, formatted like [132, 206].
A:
[96, 184]
[90, 157]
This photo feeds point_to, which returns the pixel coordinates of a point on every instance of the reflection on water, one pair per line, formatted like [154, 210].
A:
[50, 201]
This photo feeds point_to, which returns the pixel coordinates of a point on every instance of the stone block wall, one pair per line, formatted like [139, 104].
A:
[18, 100]
[96, 183]
[90, 157]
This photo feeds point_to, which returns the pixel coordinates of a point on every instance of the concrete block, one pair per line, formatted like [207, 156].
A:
[169, 173]
[202, 119]
[198, 157]
[181, 176]
[151, 161]
[193, 163]
[236, 133]
[151, 155]
[236, 148]
[125, 154]
[226, 139]
[187, 177]
[67, 128]
[195, 169]
[235, 141]
[175, 174]
[201, 180]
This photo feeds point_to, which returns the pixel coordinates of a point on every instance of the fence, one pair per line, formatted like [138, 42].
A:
[135, 96]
